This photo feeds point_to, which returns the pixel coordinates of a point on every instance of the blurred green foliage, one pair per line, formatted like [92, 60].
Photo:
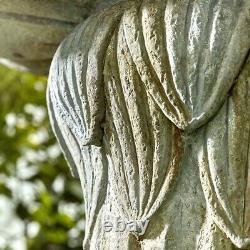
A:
[34, 176]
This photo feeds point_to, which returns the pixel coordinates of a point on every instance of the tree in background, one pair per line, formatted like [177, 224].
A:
[40, 203]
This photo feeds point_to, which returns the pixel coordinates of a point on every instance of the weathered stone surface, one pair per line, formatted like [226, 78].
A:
[150, 103]
[30, 30]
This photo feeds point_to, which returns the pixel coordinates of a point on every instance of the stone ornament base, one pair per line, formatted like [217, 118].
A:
[31, 31]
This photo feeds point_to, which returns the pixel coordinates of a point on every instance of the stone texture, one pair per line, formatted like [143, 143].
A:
[150, 103]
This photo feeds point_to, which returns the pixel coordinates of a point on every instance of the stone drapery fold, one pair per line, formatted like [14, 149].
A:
[127, 85]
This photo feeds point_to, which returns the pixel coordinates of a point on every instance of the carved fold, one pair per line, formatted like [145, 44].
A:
[77, 106]
[223, 157]
[144, 146]
[191, 51]
[125, 84]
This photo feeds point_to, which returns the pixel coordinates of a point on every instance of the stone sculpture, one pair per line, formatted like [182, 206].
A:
[150, 103]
